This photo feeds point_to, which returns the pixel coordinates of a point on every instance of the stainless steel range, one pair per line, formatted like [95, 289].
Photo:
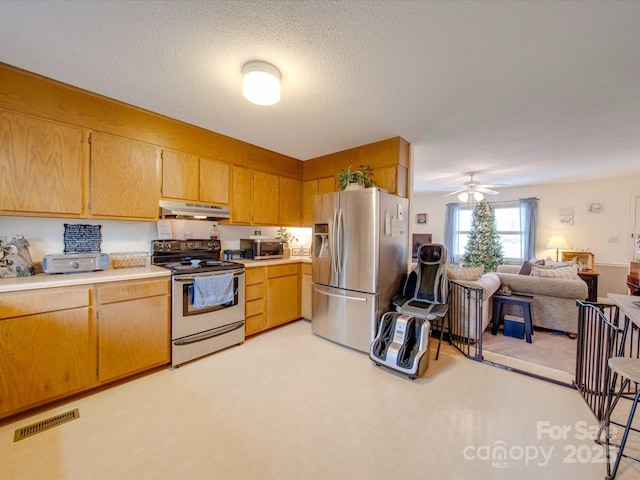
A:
[207, 297]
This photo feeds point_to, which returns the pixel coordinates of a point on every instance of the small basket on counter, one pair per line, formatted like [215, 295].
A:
[128, 259]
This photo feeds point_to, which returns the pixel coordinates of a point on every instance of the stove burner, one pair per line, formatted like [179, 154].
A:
[183, 267]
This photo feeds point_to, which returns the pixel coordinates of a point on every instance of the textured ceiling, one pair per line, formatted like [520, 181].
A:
[521, 92]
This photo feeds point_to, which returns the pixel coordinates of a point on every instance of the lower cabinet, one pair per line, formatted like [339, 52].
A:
[56, 342]
[283, 293]
[133, 327]
[305, 291]
[47, 347]
[255, 300]
[272, 296]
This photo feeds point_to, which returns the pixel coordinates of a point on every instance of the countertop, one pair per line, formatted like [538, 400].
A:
[48, 280]
[278, 261]
[625, 302]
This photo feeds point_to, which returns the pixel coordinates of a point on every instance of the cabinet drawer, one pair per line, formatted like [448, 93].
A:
[119, 292]
[284, 270]
[306, 269]
[254, 275]
[255, 324]
[38, 301]
[254, 307]
[255, 291]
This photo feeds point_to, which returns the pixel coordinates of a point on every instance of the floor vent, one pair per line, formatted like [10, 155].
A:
[43, 425]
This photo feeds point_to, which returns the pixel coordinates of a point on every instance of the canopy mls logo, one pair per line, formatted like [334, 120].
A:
[499, 453]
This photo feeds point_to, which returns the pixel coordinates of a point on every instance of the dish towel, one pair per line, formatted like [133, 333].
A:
[211, 291]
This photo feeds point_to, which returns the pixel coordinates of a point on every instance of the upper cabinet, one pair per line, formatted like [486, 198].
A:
[266, 203]
[260, 198]
[41, 166]
[189, 177]
[311, 188]
[290, 205]
[125, 178]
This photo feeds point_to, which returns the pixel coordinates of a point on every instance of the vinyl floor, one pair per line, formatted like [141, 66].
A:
[290, 405]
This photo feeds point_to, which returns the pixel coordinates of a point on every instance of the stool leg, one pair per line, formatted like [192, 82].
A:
[606, 422]
[624, 436]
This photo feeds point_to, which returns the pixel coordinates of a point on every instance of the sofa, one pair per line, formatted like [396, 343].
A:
[554, 299]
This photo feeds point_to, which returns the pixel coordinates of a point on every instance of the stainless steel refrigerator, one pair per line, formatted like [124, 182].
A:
[360, 252]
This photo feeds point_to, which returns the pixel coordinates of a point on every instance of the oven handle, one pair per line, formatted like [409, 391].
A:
[190, 278]
[210, 334]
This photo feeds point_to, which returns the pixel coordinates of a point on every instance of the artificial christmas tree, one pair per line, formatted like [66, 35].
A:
[483, 247]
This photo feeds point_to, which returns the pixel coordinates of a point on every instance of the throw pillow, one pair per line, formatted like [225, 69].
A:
[526, 266]
[465, 273]
[562, 272]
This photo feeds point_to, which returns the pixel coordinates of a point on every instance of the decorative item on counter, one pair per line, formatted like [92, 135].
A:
[15, 258]
[82, 238]
[286, 236]
[128, 259]
[355, 179]
[214, 232]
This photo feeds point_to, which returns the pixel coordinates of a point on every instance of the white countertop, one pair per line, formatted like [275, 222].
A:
[278, 261]
[625, 302]
[47, 280]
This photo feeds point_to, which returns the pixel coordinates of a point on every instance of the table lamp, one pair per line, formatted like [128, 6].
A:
[557, 242]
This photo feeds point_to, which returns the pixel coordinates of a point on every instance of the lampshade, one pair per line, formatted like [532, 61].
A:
[557, 242]
[261, 83]
[464, 196]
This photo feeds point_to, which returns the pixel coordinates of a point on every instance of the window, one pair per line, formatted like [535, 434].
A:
[507, 225]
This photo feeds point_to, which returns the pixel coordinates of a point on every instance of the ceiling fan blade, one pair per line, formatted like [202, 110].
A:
[456, 192]
[486, 191]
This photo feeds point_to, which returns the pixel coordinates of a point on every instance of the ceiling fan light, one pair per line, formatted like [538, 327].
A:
[261, 83]
[477, 196]
[463, 197]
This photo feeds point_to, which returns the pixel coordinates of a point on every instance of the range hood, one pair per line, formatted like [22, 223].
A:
[190, 210]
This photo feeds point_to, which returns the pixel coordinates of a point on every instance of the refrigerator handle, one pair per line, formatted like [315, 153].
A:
[338, 247]
[334, 245]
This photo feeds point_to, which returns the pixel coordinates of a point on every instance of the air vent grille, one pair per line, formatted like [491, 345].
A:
[46, 424]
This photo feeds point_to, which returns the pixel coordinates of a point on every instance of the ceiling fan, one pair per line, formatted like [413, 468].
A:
[474, 190]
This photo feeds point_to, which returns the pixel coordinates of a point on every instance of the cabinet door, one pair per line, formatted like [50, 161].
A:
[44, 357]
[214, 181]
[180, 174]
[309, 189]
[266, 202]
[125, 178]
[326, 185]
[41, 164]
[290, 208]
[283, 299]
[241, 195]
[133, 336]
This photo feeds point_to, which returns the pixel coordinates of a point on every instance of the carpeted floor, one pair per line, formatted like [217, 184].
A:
[548, 348]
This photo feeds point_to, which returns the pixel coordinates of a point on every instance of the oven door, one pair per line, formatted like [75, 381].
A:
[188, 319]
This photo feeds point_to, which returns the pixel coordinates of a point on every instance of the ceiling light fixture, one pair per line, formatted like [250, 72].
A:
[464, 196]
[261, 83]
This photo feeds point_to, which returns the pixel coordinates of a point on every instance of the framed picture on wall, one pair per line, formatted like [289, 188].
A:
[422, 218]
[417, 240]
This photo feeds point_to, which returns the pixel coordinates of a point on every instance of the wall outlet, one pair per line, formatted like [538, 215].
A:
[3, 240]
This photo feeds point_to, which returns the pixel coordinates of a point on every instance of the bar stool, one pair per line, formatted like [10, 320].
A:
[629, 369]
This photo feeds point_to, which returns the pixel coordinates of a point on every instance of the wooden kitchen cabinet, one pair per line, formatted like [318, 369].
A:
[125, 178]
[241, 195]
[283, 293]
[180, 175]
[266, 204]
[255, 300]
[290, 202]
[41, 165]
[189, 177]
[134, 327]
[47, 346]
[306, 285]
[393, 179]
[311, 188]
[214, 181]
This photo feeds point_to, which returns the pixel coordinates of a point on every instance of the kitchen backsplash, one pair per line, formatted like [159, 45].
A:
[46, 235]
